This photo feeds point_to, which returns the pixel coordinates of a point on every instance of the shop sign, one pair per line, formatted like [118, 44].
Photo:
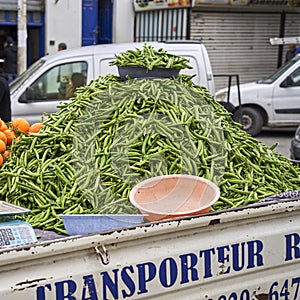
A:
[250, 2]
[142, 5]
[214, 2]
[223, 2]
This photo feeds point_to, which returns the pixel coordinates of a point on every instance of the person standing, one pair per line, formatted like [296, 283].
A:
[291, 52]
[10, 55]
[5, 103]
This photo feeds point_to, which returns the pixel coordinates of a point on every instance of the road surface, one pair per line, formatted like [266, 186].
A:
[281, 136]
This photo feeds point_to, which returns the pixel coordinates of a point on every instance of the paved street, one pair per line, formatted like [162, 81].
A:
[281, 136]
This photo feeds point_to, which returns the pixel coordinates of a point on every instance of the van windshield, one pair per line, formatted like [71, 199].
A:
[14, 85]
[270, 79]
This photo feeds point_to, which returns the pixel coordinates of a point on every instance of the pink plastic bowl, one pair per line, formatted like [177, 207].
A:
[173, 196]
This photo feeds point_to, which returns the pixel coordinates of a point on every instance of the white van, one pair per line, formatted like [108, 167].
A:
[273, 101]
[43, 86]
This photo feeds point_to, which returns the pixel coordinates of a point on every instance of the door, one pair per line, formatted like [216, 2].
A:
[105, 21]
[89, 22]
[286, 99]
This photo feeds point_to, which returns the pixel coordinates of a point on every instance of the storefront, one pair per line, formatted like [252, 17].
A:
[161, 20]
[236, 34]
[35, 26]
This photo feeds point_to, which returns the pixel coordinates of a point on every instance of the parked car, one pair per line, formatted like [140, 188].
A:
[273, 101]
[295, 145]
[43, 86]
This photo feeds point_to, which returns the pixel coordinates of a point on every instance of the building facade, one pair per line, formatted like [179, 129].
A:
[75, 22]
[235, 32]
[35, 26]
[237, 35]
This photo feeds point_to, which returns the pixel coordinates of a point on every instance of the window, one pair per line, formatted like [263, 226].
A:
[105, 68]
[296, 78]
[279, 71]
[58, 83]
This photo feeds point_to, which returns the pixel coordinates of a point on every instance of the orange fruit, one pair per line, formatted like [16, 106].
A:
[3, 126]
[20, 124]
[2, 146]
[6, 154]
[36, 127]
[3, 137]
[1, 160]
[10, 134]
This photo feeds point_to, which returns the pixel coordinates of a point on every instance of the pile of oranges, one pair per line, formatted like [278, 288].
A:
[10, 132]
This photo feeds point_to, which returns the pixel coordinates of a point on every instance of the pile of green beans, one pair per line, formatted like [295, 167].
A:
[150, 58]
[114, 134]
[39, 175]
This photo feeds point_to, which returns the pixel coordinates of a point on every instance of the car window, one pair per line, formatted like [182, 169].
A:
[58, 83]
[193, 63]
[280, 71]
[19, 81]
[105, 68]
[295, 78]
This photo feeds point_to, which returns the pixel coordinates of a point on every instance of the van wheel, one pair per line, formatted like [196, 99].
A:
[250, 118]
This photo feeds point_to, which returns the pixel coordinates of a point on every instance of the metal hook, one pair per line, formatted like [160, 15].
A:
[103, 254]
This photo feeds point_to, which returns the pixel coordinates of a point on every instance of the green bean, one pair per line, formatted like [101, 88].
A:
[150, 58]
[72, 167]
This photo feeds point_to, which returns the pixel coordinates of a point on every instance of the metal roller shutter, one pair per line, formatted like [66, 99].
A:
[238, 43]
[292, 25]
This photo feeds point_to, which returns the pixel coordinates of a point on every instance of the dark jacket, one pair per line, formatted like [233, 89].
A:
[5, 105]
[10, 54]
[289, 55]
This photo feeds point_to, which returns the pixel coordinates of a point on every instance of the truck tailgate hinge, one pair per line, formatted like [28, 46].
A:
[103, 254]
